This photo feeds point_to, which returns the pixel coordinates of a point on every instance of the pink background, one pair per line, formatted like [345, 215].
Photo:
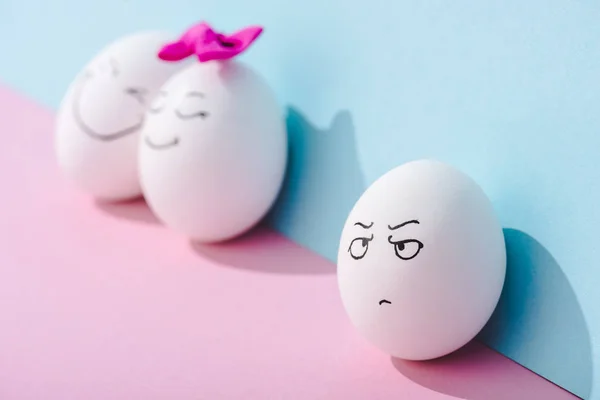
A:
[101, 302]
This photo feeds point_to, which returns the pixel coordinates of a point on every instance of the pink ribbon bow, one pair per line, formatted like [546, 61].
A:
[208, 45]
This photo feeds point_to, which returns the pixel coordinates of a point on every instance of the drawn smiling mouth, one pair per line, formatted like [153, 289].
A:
[160, 146]
[384, 301]
[105, 137]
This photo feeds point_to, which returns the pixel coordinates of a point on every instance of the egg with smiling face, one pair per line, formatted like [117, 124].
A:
[213, 151]
[100, 117]
[421, 261]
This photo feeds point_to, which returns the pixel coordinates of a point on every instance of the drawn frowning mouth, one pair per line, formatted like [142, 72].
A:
[160, 146]
[384, 301]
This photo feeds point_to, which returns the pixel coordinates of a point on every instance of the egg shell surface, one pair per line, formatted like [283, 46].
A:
[213, 151]
[421, 261]
[102, 113]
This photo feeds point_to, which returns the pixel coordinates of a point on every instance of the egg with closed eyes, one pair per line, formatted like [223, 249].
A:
[421, 261]
[213, 151]
[103, 111]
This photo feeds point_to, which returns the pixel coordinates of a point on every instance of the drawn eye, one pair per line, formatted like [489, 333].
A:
[192, 106]
[406, 249]
[188, 115]
[359, 246]
[138, 93]
[158, 103]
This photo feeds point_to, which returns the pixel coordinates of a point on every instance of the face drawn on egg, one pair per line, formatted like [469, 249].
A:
[108, 72]
[103, 111]
[421, 261]
[213, 151]
[191, 107]
[404, 246]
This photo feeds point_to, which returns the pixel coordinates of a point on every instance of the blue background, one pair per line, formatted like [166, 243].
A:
[506, 90]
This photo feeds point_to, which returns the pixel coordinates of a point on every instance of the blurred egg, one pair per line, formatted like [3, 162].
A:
[100, 117]
[421, 261]
[213, 151]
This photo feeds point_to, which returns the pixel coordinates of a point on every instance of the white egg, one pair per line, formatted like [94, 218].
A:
[99, 120]
[213, 152]
[421, 261]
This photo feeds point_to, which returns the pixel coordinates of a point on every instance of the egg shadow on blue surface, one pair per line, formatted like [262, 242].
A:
[538, 323]
[135, 210]
[264, 250]
[323, 181]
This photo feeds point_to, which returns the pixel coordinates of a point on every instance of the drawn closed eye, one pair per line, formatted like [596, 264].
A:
[192, 106]
[358, 247]
[158, 103]
[406, 249]
[188, 115]
[138, 93]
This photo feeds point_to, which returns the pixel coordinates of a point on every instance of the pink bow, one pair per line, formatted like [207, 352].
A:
[209, 45]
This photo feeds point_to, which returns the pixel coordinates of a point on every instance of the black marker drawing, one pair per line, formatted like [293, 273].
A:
[359, 247]
[160, 146]
[406, 249]
[138, 93]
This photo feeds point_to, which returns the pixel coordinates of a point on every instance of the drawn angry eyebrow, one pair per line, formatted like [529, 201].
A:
[363, 225]
[393, 228]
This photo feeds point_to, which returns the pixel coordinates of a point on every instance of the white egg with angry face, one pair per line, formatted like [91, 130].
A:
[100, 117]
[421, 261]
[213, 152]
